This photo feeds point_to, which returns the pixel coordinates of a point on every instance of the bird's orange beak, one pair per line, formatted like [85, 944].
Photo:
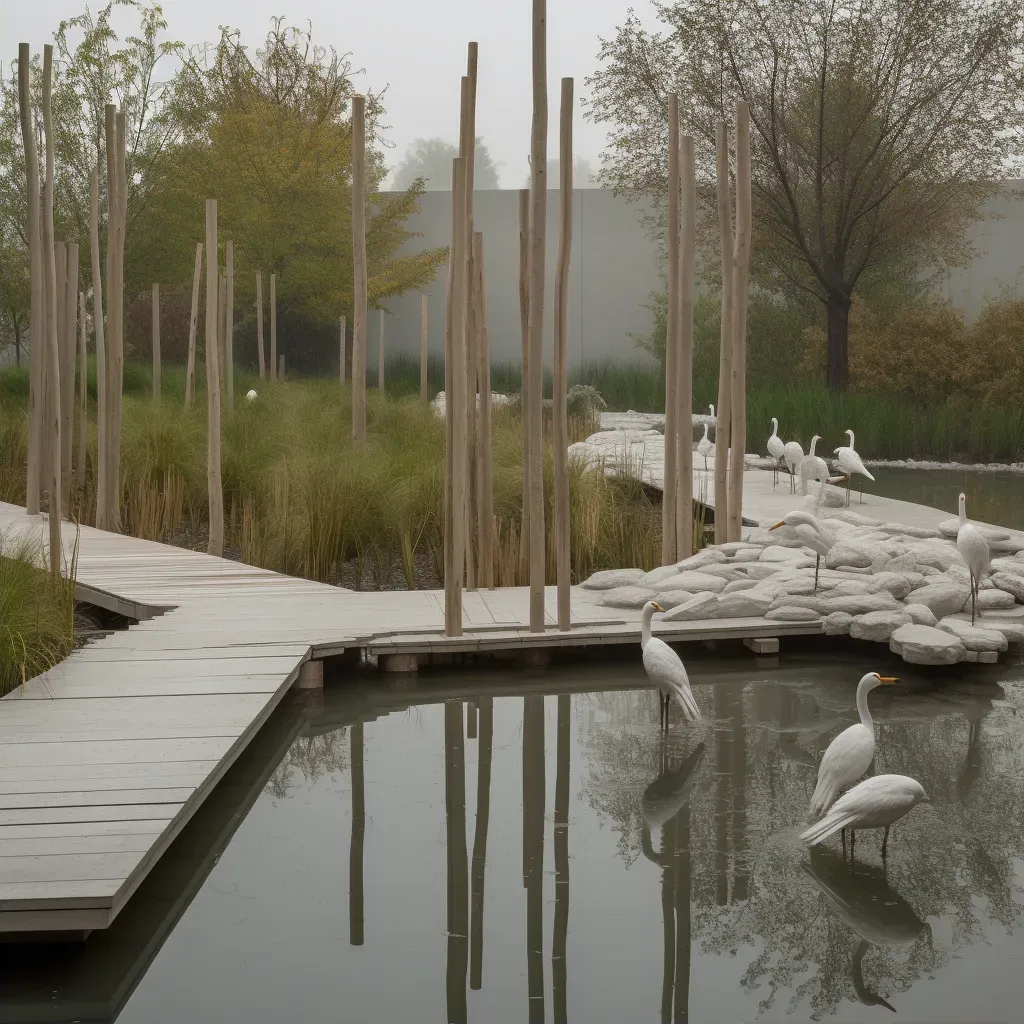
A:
[657, 607]
[777, 525]
[888, 680]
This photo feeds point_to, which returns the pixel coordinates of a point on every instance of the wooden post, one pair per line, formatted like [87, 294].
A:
[190, 370]
[470, 432]
[538, 240]
[273, 326]
[156, 342]
[67, 372]
[358, 268]
[34, 470]
[229, 325]
[524, 384]
[214, 484]
[222, 310]
[380, 352]
[259, 324]
[83, 395]
[559, 411]
[280, 367]
[671, 477]
[101, 353]
[52, 424]
[723, 425]
[60, 260]
[684, 363]
[741, 263]
[424, 338]
[116, 219]
[341, 352]
[485, 477]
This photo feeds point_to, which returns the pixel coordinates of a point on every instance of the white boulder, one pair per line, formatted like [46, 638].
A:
[991, 600]
[926, 645]
[943, 597]
[921, 614]
[974, 638]
[744, 604]
[861, 604]
[792, 613]
[837, 623]
[706, 556]
[608, 579]
[879, 626]
[734, 585]
[627, 597]
[694, 582]
[699, 606]
[1009, 583]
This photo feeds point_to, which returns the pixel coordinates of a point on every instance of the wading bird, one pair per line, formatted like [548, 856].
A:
[792, 455]
[813, 467]
[705, 447]
[850, 463]
[850, 754]
[877, 802]
[776, 449]
[665, 669]
[974, 551]
[807, 529]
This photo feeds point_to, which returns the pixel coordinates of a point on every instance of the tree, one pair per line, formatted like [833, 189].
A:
[878, 129]
[431, 161]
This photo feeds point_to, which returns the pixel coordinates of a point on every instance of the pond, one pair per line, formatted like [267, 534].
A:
[996, 498]
[506, 846]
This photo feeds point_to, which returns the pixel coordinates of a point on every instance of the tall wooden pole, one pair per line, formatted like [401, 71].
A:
[70, 344]
[259, 325]
[380, 352]
[83, 394]
[229, 325]
[524, 387]
[538, 241]
[52, 423]
[559, 411]
[467, 150]
[424, 339]
[214, 484]
[684, 388]
[60, 261]
[222, 315]
[723, 425]
[741, 274]
[358, 268]
[156, 342]
[273, 326]
[34, 471]
[341, 351]
[190, 370]
[101, 352]
[485, 477]
[116, 220]
[671, 481]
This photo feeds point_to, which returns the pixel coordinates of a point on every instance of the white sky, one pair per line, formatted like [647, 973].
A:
[416, 48]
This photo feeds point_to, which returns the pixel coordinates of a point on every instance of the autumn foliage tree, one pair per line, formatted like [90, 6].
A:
[879, 129]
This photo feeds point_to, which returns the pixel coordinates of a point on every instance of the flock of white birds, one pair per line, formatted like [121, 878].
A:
[790, 454]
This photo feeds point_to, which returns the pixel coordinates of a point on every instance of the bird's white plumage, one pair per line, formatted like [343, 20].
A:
[805, 528]
[776, 449]
[705, 447]
[665, 668]
[250, 396]
[849, 461]
[873, 803]
[813, 467]
[974, 550]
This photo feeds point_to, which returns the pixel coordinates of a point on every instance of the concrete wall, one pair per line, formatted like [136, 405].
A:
[615, 268]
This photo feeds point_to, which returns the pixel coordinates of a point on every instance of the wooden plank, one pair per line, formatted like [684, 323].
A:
[16, 755]
[148, 771]
[58, 831]
[137, 842]
[67, 815]
[60, 867]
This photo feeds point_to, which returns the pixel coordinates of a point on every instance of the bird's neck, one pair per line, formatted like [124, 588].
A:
[705, 431]
[963, 513]
[645, 626]
[862, 705]
[849, 434]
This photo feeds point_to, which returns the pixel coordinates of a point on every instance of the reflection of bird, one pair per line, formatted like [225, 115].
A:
[850, 463]
[664, 797]
[864, 994]
[850, 754]
[810, 531]
[665, 669]
[704, 446]
[974, 551]
[793, 454]
[874, 803]
[776, 449]
[813, 467]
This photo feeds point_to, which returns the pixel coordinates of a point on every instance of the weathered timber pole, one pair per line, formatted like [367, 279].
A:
[424, 339]
[485, 478]
[273, 326]
[671, 476]
[261, 355]
[101, 352]
[524, 385]
[341, 351]
[215, 490]
[83, 395]
[229, 325]
[684, 362]
[190, 369]
[723, 422]
[358, 268]
[156, 342]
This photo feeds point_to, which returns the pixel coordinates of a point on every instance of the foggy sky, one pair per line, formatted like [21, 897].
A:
[416, 49]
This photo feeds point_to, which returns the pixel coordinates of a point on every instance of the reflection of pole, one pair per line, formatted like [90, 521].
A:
[471, 727]
[483, 811]
[740, 875]
[561, 927]
[458, 902]
[355, 855]
[722, 767]
[533, 848]
[668, 919]
[681, 828]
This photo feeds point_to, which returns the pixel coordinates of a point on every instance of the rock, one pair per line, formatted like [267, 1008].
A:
[990, 600]
[1005, 547]
[1012, 630]
[974, 638]
[791, 556]
[725, 572]
[937, 554]
[1009, 583]
[847, 588]
[847, 553]
[694, 582]
[943, 597]
[734, 547]
[902, 563]
[744, 603]
[896, 584]
[733, 586]
[921, 532]
[662, 572]
[814, 602]
[921, 614]
[792, 613]
[1011, 565]
[879, 626]
[761, 570]
[856, 519]
[951, 527]
[627, 597]
[860, 604]
[800, 585]
[837, 623]
[926, 645]
[706, 556]
[608, 579]
[750, 554]
[699, 606]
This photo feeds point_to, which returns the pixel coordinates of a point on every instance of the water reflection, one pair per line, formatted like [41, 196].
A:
[355, 850]
[560, 929]
[483, 816]
[458, 881]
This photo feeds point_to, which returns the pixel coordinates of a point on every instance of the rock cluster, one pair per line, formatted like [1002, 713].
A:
[886, 582]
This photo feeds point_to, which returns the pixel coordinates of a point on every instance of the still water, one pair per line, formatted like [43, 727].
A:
[512, 846]
[991, 497]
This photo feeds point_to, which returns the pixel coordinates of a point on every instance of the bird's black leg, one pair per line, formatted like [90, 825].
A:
[885, 840]
[817, 566]
[667, 702]
[661, 711]
[843, 834]
[853, 836]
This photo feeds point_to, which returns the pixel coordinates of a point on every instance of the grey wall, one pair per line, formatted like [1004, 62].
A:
[615, 268]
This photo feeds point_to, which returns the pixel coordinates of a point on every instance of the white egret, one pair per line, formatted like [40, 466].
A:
[850, 754]
[776, 449]
[665, 669]
[705, 447]
[713, 416]
[974, 551]
[850, 463]
[250, 396]
[807, 529]
[793, 455]
[813, 467]
[877, 802]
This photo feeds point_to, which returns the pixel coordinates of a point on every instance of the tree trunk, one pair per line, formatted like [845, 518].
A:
[838, 307]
